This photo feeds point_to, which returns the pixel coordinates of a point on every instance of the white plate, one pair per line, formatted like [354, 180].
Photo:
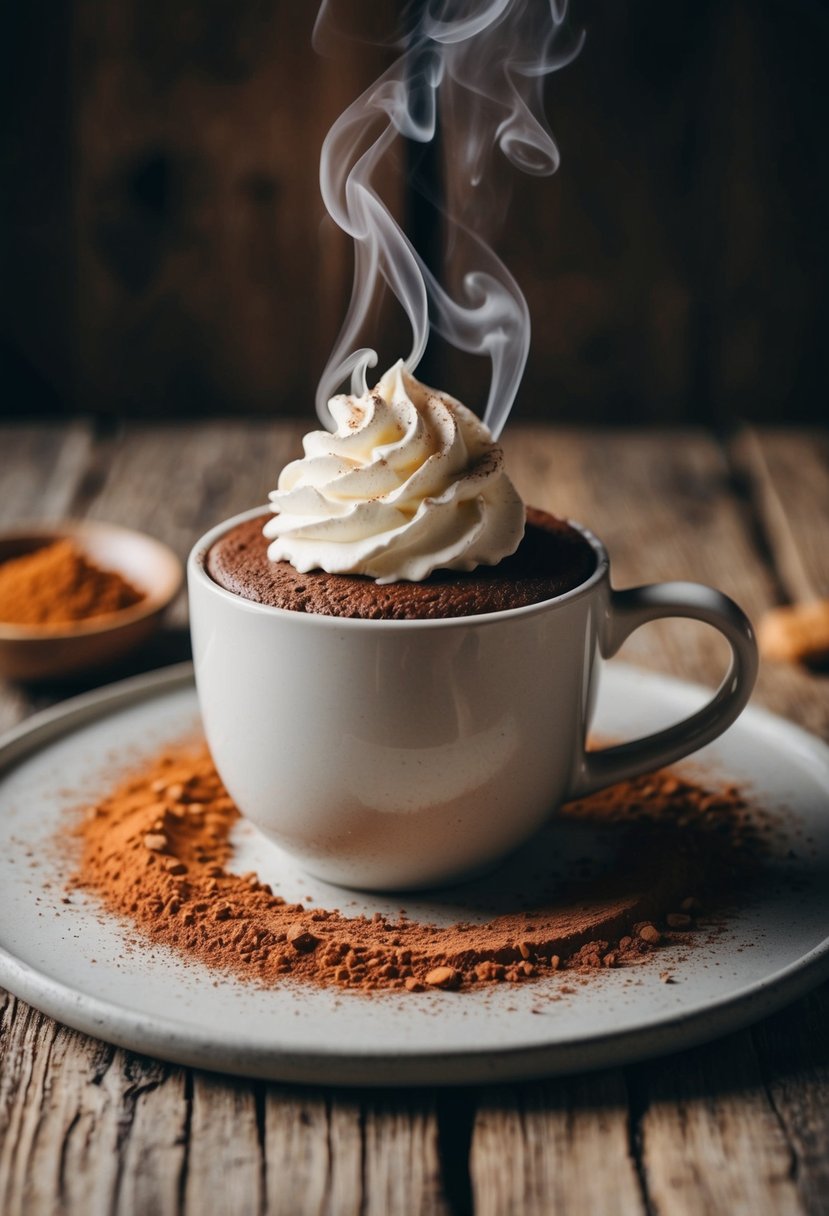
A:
[83, 968]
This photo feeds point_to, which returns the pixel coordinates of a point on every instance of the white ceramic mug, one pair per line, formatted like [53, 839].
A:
[404, 754]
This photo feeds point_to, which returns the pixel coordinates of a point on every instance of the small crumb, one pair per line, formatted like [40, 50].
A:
[443, 977]
[302, 939]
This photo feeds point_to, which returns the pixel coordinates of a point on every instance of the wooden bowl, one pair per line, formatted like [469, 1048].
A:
[44, 652]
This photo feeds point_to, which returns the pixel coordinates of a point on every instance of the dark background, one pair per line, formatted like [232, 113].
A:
[163, 250]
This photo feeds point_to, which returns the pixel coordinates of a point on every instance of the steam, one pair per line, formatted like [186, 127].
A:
[485, 64]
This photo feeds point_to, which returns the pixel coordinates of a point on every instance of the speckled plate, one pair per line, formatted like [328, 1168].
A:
[78, 965]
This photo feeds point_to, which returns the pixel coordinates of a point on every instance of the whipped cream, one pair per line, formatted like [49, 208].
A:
[411, 481]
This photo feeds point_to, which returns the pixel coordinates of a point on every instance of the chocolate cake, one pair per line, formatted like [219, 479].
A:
[551, 559]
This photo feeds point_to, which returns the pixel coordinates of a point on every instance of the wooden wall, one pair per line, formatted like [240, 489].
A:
[164, 248]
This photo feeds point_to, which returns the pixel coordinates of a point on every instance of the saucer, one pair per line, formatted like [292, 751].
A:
[60, 952]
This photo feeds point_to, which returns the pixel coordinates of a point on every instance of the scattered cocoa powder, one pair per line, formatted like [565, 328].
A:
[157, 851]
[58, 584]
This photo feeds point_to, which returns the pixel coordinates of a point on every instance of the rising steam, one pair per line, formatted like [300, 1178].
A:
[484, 64]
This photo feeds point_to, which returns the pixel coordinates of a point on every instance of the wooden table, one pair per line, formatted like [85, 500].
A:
[741, 1125]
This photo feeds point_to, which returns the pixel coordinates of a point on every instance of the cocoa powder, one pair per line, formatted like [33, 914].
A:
[157, 851]
[59, 585]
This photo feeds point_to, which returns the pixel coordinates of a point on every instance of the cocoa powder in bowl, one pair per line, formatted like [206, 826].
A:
[157, 851]
[57, 584]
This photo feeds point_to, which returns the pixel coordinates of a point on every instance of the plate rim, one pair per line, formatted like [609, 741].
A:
[177, 1042]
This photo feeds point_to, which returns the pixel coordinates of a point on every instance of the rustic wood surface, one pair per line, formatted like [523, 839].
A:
[737, 1126]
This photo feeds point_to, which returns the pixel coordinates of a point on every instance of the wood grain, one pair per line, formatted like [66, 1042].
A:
[539, 1148]
[154, 1144]
[314, 1152]
[402, 1170]
[225, 1165]
[793, 1052]
[43, 468]
[351, 1153]
[787, 475]
[84, 1127]
[703, 1123]
[738, 1126]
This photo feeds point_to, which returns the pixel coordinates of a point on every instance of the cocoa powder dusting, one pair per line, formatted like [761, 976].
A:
[157, 851]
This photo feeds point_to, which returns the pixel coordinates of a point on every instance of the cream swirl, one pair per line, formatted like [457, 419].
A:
[409, 482]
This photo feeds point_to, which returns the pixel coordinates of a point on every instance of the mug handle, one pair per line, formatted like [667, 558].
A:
[628, 610]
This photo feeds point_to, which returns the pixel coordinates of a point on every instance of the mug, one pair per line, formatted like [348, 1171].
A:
[407, 754]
